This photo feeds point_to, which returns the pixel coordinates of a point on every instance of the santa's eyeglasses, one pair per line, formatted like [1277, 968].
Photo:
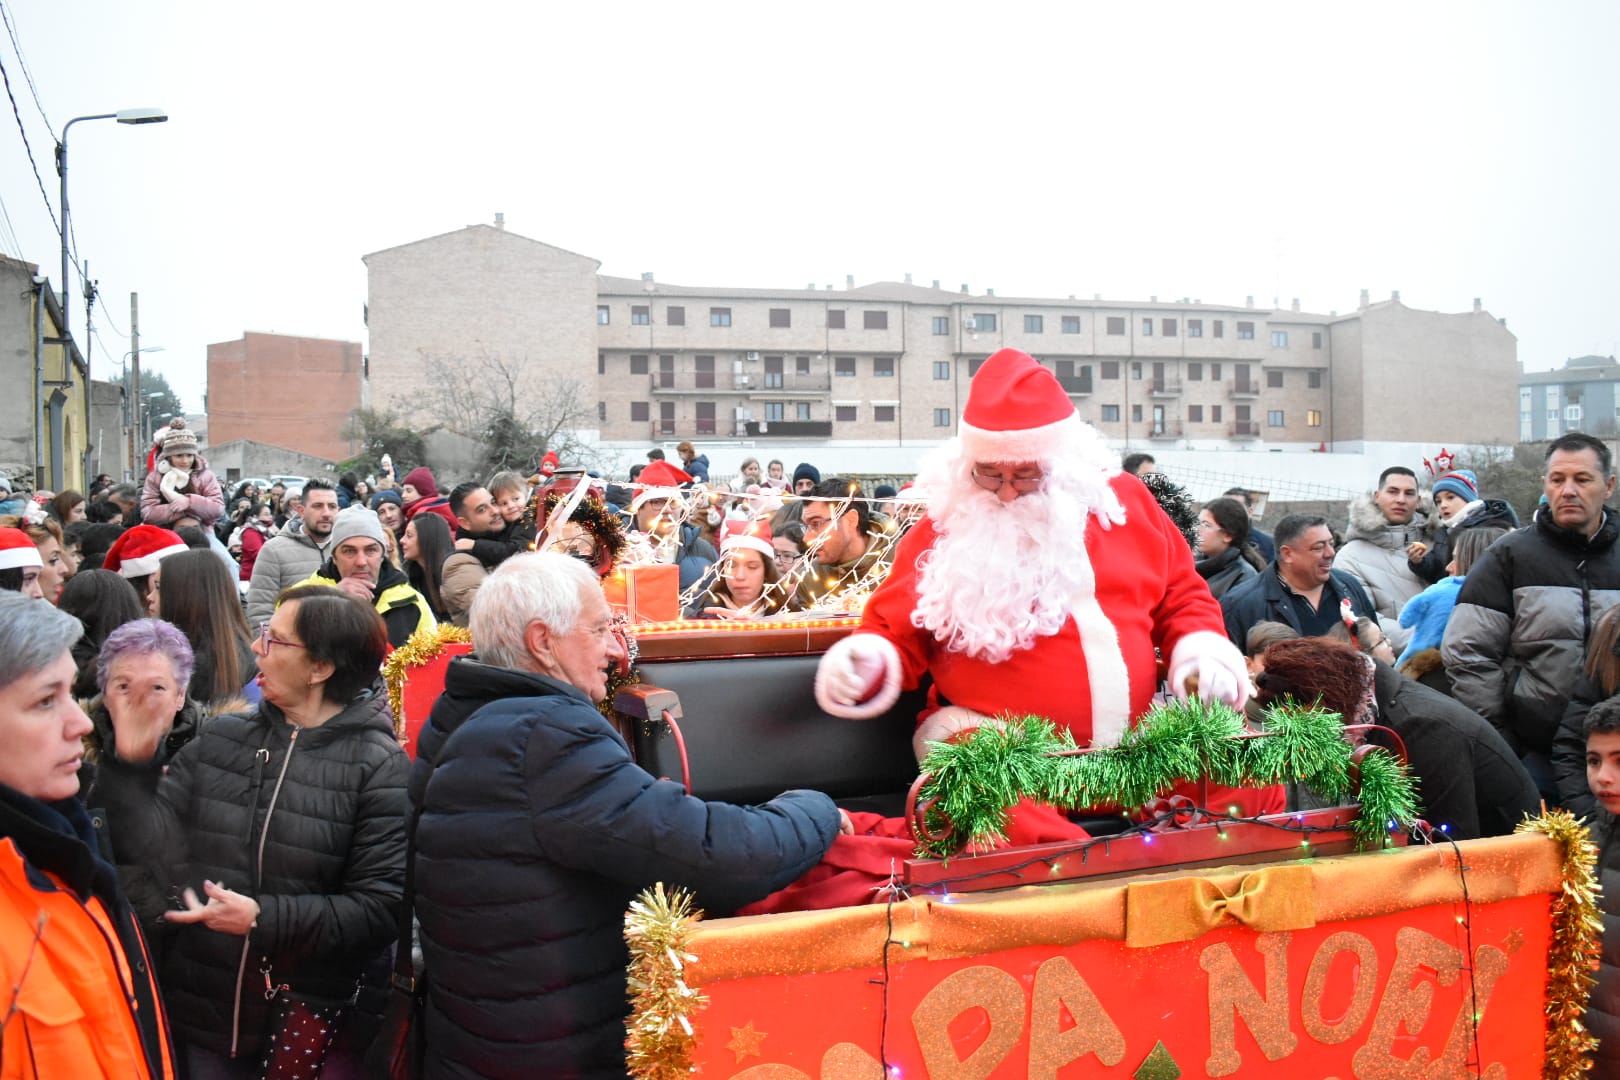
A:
[1021, 484]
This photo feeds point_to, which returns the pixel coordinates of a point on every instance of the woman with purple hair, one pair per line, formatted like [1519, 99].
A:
[143, 669]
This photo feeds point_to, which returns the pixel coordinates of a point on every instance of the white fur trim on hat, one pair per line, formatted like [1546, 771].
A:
[1106, 671]
[749, 541]
[148, 563]
[878, 703]
[1030, 444]
[18, 556]
[655, 493]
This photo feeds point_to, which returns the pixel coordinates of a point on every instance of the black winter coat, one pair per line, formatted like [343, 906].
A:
[1569, 751]
[1225, 571]
[1469, 779]
[1261, 599]
[1603, 1010]
[1515, 645]
[536, 830]
[1432, 566]
[324, 808]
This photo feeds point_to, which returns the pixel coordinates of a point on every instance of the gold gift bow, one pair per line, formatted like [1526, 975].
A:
[1184, 908]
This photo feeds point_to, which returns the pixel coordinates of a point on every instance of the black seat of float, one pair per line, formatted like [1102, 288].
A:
[753, 730]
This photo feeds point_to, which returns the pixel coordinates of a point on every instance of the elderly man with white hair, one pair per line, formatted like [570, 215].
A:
[1041, 581]
[536, 829]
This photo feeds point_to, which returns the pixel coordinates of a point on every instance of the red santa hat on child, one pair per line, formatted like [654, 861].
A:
[752, 535]
[660, 480]
[548, 464]
[17, 550]
[1016, 411]
[137, 552]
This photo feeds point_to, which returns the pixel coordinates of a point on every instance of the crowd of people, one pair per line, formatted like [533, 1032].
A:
[202, 755]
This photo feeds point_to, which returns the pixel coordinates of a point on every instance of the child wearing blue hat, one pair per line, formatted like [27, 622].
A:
[1458, 506]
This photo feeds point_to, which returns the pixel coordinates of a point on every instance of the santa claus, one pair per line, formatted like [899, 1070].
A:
[1040, 582]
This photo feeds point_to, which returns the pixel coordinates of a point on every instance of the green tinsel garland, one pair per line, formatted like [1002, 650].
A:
[1177, 504]
[977, 780]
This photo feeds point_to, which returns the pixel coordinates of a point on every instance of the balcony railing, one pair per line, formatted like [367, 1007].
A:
[787, 429]
[1165, 387]
[1169, 429]
[1075, 385]
[1246, 429]
[750, 383]
[1245, 388]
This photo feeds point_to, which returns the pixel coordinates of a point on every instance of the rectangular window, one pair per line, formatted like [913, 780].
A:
[1215, 372]
[639, 411]
[719, 316]
[1136, 414]
[1195, 372]
[601, 411]
[875, 320]
[844, 366]
[1316, 339]
[801, 365]
[638, 364]
[802, 409]
[1313, 379]
[601, 363]
[1274, 418]
[1116, 324]
[640, 315]
[1214, 414]
[1313, 417]
[1572, 413]
[1243, 414]
[942, 325]
[1279, 339]
[1167, 327]
[773, 373]
[942, 370]
[1136, 371]
[1034, 324]
[883, 414]
[974, 364]
[1245, 331]
[666, 418]
[601, 314]
[1195, 414]
[1274, 379]
[883, 367]
[774, 412]
[675, 316]
[1147, 327]
[845, 414]
[1110, 414]
[835, 318]
[704, 366]
[666, 370]
[984, 322]
[781, 317]
[1195, 327]
[705, 418]
[1071, 324]
[1220, 328]
[1110, 369]
[942, 418]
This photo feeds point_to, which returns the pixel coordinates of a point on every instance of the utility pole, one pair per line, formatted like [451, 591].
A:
[137, 438]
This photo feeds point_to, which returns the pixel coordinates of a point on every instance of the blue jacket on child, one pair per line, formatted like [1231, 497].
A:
[1429, 611]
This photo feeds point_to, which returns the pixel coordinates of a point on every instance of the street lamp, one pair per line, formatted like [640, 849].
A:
[123, 116]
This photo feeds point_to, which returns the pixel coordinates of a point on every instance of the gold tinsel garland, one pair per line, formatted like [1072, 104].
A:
[659, 1037]
[1577, 934]
[423, 646]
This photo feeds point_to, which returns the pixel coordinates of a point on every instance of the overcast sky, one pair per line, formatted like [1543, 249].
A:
[1203, 150]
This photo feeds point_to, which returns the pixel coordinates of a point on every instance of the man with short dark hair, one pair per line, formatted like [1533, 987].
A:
[1139, 463]
[1300, 588]
[294, 553]
[838, 532]
[1383, 526]
[478, 548]
[356, 564]
[1515, 645]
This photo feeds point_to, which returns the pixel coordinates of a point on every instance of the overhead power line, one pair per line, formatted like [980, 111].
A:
[22, 62]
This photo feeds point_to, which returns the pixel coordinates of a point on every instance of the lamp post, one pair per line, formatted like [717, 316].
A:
[123, 116]
[132, 403]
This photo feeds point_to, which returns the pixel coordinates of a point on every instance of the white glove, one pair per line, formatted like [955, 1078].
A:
[1215, 663]
[172, 482]
[859, 677]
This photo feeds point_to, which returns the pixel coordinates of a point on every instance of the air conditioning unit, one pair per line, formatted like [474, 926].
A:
[754, 356]
[743, 382]
[969, 324]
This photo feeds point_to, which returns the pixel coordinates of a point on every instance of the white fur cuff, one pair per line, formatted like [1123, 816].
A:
[831, 676]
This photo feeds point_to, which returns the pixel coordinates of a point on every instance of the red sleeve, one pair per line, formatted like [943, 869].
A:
[1187, 605]
[888, 610]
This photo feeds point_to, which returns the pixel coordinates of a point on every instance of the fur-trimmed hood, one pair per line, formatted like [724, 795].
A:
[1367, 523]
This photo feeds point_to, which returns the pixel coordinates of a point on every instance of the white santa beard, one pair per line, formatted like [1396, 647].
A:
[1002, 575]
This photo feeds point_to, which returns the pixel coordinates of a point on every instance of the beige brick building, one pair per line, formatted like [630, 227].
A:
[288, 391]
[888, 364]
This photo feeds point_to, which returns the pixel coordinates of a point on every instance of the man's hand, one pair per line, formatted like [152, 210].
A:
[141, 719]
[357, 587]
[226, 912]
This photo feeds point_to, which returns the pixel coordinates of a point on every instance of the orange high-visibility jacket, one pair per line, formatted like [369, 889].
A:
[75, 1014]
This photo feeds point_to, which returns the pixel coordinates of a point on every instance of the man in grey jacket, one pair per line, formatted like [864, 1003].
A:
[294, 554]
[1380, 533]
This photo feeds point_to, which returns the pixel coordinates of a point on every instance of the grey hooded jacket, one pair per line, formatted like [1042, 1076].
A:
[284, 561]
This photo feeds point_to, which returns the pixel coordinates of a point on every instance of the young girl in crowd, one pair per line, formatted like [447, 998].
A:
[181, 485]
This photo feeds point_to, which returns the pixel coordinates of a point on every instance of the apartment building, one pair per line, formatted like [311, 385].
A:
[1580, 396]
[888, 364]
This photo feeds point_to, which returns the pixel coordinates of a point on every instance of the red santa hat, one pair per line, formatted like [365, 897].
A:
[660, 480]
[17, 550]
[752, 535]
[1016, 411]
[548, 464]
[138, 551]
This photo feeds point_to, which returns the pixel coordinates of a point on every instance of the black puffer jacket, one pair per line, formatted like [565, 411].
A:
[1515, 646]
[536, 831]
[1603, 1011]
[324, 805]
